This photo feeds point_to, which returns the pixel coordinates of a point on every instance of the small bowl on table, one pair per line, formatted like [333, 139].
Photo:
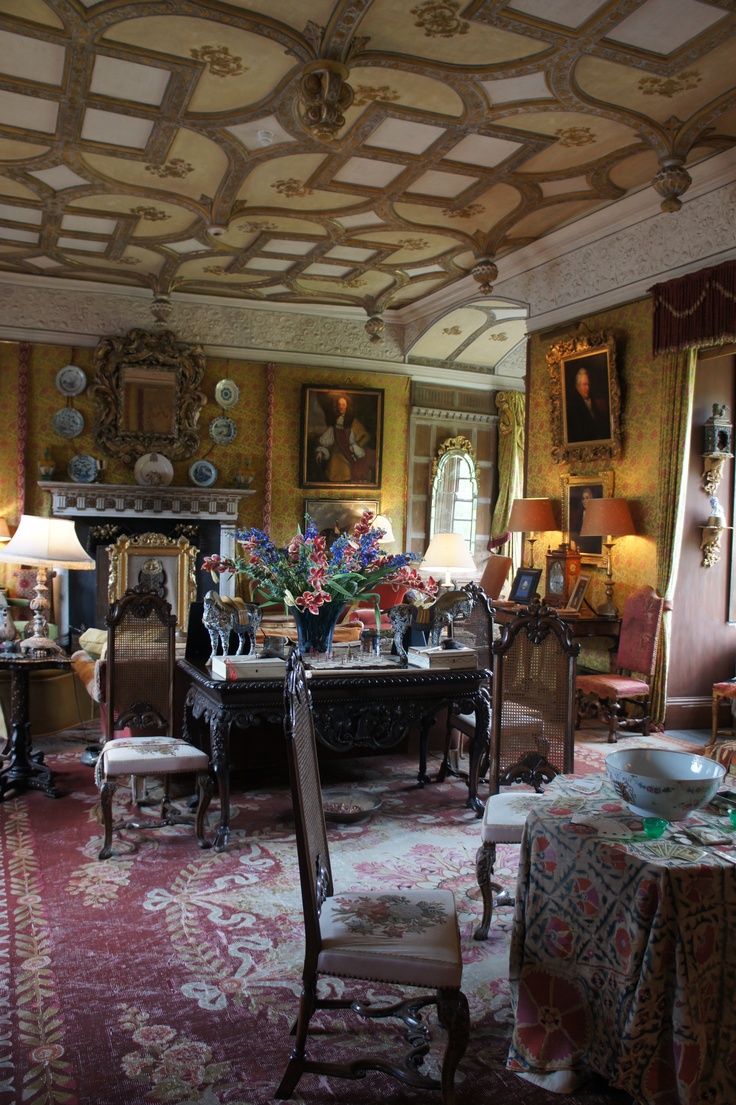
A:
[656, 782]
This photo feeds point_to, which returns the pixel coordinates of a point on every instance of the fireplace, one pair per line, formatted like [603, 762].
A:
[102, 513]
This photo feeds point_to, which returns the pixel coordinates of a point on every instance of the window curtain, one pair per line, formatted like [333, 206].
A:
[692, 312]
[511, 407]
[678, 382]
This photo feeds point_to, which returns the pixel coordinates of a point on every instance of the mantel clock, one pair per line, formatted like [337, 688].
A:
[563, 569]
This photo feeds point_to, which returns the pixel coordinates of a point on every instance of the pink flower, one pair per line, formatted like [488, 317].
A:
[312, 600]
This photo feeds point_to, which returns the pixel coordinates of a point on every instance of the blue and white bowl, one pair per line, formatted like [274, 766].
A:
[655, 782]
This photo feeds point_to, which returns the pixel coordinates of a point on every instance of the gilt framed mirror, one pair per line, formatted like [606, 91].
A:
[157, 563]
[454, 498]
[147, 397]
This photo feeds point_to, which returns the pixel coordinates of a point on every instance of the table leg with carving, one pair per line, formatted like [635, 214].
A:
[24, 770]
[478, 745]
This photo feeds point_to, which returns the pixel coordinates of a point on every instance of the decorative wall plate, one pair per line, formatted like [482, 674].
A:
[68, 422]
[223, 430]
[82, 468]
[202, 473]
[153, 470]
[71, 380]
[227, 394]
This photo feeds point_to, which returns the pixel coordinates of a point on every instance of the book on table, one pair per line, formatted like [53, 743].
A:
[439, 657]
[248, 667]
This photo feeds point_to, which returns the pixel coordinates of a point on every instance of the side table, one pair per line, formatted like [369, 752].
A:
[21, 771]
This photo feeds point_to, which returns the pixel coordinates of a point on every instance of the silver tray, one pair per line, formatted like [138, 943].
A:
[68, 422]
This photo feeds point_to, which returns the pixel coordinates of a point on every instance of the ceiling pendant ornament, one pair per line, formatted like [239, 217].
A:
[324, 96]
[161, 309]
[485, 271]
[671, 181]
[374, 328]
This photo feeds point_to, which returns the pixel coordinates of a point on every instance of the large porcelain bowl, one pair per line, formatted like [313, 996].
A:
[657, 783]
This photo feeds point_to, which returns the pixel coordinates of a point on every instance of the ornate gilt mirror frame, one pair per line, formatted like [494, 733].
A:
[147, 396]
[585, 399]
[156, 561]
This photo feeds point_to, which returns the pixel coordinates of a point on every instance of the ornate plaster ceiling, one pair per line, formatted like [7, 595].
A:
[184, 146]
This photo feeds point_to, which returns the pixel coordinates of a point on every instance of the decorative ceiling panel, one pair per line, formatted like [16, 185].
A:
[364, 153]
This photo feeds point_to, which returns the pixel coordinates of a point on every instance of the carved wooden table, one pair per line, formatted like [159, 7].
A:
[23, 770]
[353, 708]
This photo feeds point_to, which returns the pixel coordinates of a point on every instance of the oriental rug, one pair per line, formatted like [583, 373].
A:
[169, 974]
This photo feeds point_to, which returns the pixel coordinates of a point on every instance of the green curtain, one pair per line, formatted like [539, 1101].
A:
[511, 407]
[678, 382]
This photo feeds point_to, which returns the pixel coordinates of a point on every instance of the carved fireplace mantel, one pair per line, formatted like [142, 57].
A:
[99, 500]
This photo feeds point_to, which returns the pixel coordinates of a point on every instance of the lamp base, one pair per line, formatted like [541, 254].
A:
[607, 610]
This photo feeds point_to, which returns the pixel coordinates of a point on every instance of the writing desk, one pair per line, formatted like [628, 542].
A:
[623, 958]
[353, 708]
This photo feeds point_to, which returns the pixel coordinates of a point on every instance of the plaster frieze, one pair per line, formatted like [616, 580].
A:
[438, 414]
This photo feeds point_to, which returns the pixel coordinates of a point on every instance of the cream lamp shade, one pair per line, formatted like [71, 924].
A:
[382, 522]
[45, 543]
[448, 553]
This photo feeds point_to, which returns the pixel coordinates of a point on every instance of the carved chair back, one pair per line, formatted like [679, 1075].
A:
[640, 625]
[532, 718]
[140, 663]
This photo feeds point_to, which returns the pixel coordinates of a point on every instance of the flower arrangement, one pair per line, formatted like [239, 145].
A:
[307, 574]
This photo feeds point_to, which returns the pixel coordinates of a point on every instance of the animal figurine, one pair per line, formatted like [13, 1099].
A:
[223, 615]
[432, 619]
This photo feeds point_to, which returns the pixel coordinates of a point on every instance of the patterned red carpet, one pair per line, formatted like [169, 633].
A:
[168, 974]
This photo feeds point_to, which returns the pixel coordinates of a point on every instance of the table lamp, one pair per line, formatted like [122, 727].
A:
[532, 517]
[44, 543]
[448, 552]
[607, 518]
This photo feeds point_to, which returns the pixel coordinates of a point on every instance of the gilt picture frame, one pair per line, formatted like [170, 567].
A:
[156, 562]
[333, 517]
[575, 491]
[585, 399]
[341, 438]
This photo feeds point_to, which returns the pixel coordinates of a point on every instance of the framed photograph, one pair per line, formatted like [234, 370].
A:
[585, 399]
[342, 437]
[576, 598]
[332, 517]
[576, 493]
[524, 587]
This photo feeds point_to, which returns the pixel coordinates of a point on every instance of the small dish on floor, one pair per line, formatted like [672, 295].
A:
[349, 805]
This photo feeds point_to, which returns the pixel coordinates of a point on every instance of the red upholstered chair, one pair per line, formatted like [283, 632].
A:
[389, 594]
[495, 574]
[607, 695]
[721, 692]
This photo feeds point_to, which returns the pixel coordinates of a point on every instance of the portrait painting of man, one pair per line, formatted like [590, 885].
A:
[341, 437]
[577, 492]
[587, 406]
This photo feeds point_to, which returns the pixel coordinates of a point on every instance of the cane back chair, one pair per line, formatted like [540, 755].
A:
[140, 701]
[532, 731]
[405, 938]
[473, 629]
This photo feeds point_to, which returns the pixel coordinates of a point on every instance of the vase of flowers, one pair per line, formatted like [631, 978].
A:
[314, 581]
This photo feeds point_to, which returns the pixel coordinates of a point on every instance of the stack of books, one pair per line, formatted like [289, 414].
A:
[443, 657]
[248, 667]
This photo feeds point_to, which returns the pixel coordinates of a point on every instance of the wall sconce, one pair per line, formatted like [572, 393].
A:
[531, 516]
[713, 529]
[717, 432]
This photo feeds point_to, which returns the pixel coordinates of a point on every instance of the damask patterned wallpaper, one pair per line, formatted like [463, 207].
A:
[635, 469]
[246, 455]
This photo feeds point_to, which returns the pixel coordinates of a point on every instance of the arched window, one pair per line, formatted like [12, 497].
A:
[454, 491]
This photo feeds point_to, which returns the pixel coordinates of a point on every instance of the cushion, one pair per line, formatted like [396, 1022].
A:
[720, 690]
[505, 815]
[404, 936]
[94, 641]
[151, 755]
[611, 686]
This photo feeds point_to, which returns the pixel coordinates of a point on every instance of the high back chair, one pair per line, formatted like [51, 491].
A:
[475, 630]
[532, 733]
[607, 695]
[406, 937]
[494, 575]
[140, 701]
